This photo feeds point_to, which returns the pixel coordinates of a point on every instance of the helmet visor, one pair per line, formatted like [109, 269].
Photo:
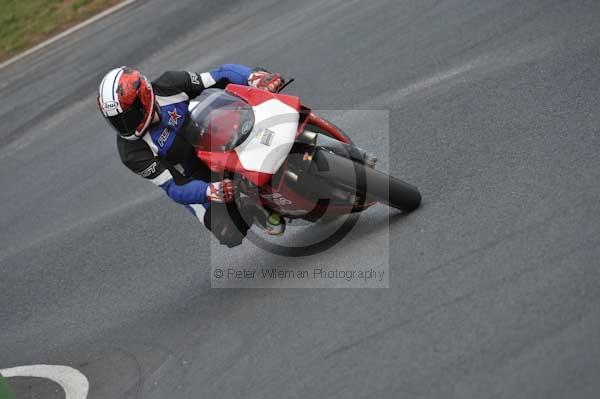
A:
[126, 123]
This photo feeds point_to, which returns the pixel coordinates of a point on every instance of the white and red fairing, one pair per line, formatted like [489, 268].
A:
[257, 158]
[264, 151]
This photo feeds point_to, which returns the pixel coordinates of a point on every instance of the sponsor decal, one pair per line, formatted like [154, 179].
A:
[149, 170]
[162, 139]
[110, 106]
[246, 127]
[277, 198]
[173, 117]
[265, 136]
[194, 78]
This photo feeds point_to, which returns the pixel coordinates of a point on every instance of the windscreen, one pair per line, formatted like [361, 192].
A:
[219, 122]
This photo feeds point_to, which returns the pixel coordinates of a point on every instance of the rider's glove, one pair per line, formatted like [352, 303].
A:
[221, 191]
[265, 80]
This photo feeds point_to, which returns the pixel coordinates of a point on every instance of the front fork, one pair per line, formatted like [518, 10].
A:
[343, 149]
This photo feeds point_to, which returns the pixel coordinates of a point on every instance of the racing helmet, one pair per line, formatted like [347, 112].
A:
[126, 100]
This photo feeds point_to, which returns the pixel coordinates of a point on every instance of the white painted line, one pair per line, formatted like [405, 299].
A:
[433, 81]
[72, 381]
[67, 32]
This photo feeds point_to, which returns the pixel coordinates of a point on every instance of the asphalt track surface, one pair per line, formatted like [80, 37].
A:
[495, 283]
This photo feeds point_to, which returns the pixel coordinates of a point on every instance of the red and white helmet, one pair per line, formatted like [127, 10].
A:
[126, 100]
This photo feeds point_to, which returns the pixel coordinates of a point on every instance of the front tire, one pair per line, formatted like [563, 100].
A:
[373, 184]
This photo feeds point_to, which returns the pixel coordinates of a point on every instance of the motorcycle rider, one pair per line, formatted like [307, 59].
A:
[149, 117]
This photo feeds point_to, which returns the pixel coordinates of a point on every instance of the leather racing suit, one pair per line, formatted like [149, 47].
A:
[162, 155]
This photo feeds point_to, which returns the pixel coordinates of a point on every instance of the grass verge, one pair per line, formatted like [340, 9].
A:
[5, 391]
[25, 23]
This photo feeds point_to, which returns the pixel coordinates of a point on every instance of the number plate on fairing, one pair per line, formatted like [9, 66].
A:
[271, 139]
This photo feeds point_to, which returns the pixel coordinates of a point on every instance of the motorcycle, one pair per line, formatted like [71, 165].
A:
[285, 158]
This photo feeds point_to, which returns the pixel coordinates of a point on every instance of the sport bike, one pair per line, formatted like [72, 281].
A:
[285, 158]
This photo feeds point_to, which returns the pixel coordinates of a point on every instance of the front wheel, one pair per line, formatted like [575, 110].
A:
[373, 184]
